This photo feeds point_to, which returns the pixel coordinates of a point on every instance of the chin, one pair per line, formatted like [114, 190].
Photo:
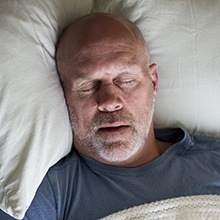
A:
[118, 153]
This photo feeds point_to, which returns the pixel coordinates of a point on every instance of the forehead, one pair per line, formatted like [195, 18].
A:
[108, 55]
[109, 71]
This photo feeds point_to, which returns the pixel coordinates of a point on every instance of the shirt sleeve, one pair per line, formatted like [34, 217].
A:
[44, 204]
[4, 216]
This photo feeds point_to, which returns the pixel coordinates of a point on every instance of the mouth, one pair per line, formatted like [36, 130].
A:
[113, 127]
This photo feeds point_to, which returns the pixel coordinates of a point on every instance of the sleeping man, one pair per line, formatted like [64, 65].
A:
[118, 159]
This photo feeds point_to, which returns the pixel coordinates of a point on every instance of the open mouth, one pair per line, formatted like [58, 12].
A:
[114, 128]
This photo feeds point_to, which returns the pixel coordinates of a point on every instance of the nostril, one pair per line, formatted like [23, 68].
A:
[117, 107]
[110, 106]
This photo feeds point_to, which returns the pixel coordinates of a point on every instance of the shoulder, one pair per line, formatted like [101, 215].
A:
[205, 143]
[188, 144]
[188, 141]
[65, 171]
[204, 150]
[70, 161]
[54, 189]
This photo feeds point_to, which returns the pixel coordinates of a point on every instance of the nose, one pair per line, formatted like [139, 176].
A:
[109, 99]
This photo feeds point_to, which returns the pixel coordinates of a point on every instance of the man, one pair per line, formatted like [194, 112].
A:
[118, 160]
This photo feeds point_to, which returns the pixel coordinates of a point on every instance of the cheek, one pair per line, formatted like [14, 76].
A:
[141, 100]
[137, 98]
[82, 112]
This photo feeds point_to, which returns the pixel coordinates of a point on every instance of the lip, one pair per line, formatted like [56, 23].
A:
[113, 127]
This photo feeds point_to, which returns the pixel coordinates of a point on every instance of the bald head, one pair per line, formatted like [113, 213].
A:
[96, 34]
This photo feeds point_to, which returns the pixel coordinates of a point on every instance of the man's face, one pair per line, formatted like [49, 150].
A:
[110, 95]
[110, 91]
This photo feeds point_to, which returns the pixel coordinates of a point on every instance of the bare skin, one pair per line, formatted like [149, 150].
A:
[110, 90]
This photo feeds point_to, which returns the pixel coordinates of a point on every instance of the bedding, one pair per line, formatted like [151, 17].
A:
[183, 39]
[187, 208]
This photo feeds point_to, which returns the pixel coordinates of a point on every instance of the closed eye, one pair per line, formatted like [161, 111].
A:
[126, 83]
[88, 87]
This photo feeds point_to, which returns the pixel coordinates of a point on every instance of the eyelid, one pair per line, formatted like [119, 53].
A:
[87, 86]
[125, 78]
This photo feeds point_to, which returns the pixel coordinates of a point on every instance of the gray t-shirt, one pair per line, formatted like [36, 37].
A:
[82, 188]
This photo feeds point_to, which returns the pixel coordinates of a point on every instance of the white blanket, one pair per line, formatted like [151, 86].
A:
[189, 208]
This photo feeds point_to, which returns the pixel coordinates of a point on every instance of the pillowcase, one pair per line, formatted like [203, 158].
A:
[182, 38]
[35, 131]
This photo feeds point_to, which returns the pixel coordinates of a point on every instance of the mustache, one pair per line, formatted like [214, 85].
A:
[111, 118]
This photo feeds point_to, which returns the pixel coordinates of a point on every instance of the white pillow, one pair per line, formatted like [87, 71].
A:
[183, 39]
[35, 130]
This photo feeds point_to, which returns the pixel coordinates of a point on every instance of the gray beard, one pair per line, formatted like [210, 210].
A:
[120, 150]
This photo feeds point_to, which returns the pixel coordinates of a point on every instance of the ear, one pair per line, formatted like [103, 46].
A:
[153, 73]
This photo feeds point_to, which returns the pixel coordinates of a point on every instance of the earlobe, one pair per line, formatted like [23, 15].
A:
[153, 72]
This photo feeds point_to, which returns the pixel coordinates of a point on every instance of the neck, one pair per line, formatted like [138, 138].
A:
[151, 150]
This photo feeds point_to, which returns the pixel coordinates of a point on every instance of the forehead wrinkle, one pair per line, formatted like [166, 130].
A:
[110, 65]
[94, 55]
[87, 73]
